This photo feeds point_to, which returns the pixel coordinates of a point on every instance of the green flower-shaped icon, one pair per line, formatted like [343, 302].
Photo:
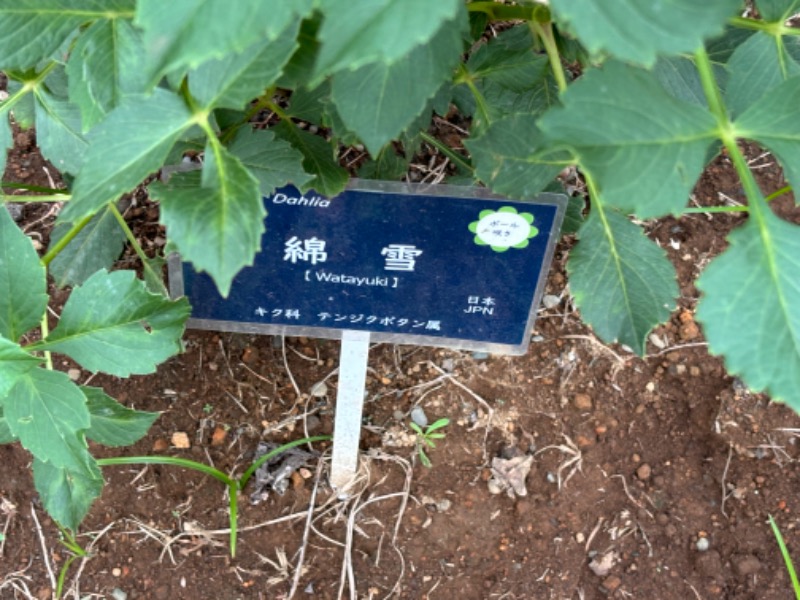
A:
[503, 229]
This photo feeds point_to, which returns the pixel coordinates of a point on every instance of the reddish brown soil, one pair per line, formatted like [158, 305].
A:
[652, 454]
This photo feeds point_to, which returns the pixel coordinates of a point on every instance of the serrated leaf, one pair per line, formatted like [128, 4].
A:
[58, 132]
[573, 217]
[234, 80]
[644, 148]
[356, 33]
[272, 161]
[96, 247]
[777, 10]
[309, 104]
[301, 65]
[113, 324]
[128, 145]
[622, 282]
[183, 34]
[773, 122]
[105, 65]
[637, 32]
[318, 159]
[112, 423]
[23, 285]
[510, 76]
[154, 275]
[511, 157]
[378, 101]
[14, 363]
[215, 219]
[750, 308]
[756, 68]
[67, 494]
[31, 30]
[45, 410]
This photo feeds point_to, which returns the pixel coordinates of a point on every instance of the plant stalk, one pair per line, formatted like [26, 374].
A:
[136, 246]
[62, 243]
[545, 33]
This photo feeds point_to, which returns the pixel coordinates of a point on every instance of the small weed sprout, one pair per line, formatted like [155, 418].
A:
[425, 438]
[786, 558]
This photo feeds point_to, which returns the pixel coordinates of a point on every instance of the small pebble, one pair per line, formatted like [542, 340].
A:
[74, 374]
[480, 355]
[118, 594]
[551, 301]
[419, 417]
[319, 389]
[583, 401]
[703, 544]
[448, 364]
[399, 415]
[644, 471]
[116, 571]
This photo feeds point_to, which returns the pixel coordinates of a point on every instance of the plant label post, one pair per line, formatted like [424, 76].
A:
[435, 265]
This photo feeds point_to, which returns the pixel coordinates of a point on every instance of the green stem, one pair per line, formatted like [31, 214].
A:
[168, 460]
[33, 199]
[61, 244]
[787, 559]
[31, 188]
[454, 157]
[136, 246]
[545, 33]
[45, 327]
[463, 76]
[234, 485]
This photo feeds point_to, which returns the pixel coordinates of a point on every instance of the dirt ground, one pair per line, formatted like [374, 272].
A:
[649, 478]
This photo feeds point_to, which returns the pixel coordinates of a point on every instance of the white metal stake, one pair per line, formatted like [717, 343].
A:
[349, 406]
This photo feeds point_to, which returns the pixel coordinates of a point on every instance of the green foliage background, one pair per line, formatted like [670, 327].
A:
[117, 89]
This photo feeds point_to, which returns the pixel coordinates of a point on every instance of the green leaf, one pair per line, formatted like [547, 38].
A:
[298, 70]
[318, 159]
[182, 35]
[22, 100]
[750, 309]
[31, 30]
[378, 101]
[777, 10]
[112, 423]
[126, 147]
[273, 162]
[113, 324]
[756, 68]
[573, 217]
[388, 165]
[774, 123]
[23, 285]
[622, 282]
[358, 32]
[512, 157]
[45, 410]
[234, 80]
[679, 77]
[105, 66]
[58, 132]
[14, 363]
[96, 247]
[216, 220]
[510, 76]
[644, 148]
[154, 275]
[637, 32]
[6, 437]
[67, 494]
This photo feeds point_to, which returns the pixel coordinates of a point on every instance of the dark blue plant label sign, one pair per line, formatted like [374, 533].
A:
[425, 265]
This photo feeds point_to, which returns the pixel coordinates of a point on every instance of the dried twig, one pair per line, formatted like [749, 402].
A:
[298, 570]
[45, 554]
